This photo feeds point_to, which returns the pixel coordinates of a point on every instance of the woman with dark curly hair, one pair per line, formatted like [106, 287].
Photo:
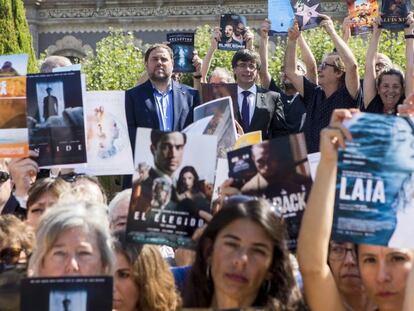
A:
[188, 184]
[143, 280]
[242, 261]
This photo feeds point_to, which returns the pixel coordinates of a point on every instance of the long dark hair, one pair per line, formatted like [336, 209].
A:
[180, 183]
[282, 294]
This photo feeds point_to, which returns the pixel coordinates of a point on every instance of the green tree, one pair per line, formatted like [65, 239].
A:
[15, 36]
[117, 65]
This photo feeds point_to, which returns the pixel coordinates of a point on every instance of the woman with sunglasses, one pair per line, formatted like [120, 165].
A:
[384, 86]
[383, 270]
[242, 261]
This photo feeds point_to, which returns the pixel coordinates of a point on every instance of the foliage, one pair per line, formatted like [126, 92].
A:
[117, 65]
[15, 37]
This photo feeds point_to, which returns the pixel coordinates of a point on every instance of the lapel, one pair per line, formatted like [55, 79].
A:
[178, 102]
[150, 104]
[260, 103]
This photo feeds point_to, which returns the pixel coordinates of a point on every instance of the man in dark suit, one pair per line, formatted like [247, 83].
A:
[50, 105]
[160, 102]
[257, 108]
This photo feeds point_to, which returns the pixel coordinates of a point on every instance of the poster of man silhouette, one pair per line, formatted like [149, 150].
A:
[56, 118]
[182, 45]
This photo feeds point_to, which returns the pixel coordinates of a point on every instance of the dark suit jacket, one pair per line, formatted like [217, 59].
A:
[141, 110]
[268, 115]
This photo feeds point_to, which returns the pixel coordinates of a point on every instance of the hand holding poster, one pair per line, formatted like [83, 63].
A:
[375, 182]
[233, 28]
[170, 186]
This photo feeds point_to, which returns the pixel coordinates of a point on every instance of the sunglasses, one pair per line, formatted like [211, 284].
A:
[323, 65]
[4, 176]
[10, 255]
[71, 177]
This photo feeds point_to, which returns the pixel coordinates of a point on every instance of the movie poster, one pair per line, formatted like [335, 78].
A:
[107, 142]
[394, 14]
[307, 13]
[182, 44]
[216, 118]
[233, 28]
[67, 293]
[170, 186]
[281, 16]
[375, 182]
[55, 118]
[14, 137]
[277, 170]
[362, 14]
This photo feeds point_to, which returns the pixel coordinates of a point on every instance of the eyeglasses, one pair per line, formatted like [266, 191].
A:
[10, 255]
[4, 176]
[338, 252]
[323, 65]
[246, 65]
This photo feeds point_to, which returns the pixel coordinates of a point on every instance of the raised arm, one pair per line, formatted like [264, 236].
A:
[346, 28]
[409, 55]
[290, 59]
[370, 88]
[216, 35]
[309, 60]
[313, 243]
[351, 65]
[264, 74]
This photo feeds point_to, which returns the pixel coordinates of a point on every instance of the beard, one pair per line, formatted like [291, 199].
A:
[159, 78]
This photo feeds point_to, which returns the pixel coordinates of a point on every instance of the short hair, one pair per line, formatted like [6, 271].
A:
[118, 198]
[151, 274]
[158, 46]
[91, 180]
[156, 136]
[55, 186]
[391, 71]
[90, 216]
[246, 55]
[53, 62]
[223, 73]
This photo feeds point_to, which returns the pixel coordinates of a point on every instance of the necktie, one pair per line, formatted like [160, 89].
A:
[245, 111]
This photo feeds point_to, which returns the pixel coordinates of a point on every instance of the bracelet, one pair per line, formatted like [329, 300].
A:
[409, 36]
[199, 76]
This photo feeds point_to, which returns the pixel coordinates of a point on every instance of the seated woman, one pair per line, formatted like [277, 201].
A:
[42, 194]
[384, 87]
[242, 261]
[142, 279]
[383, 270]
[72, 238]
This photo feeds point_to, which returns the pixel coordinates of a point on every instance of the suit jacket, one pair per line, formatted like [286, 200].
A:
[141, 110]
[268, 115]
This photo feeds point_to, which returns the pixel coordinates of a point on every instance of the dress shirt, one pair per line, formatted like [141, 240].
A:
[251, 100]
[164, 103]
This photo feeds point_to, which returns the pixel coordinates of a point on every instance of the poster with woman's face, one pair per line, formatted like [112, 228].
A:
[374, 201]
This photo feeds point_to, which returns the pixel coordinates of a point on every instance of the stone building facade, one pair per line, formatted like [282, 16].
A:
[73, 27]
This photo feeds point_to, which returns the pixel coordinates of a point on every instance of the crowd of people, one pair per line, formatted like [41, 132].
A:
[62, 225]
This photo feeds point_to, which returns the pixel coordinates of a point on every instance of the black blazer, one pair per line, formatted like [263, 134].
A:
[268, 115]
[141, 110]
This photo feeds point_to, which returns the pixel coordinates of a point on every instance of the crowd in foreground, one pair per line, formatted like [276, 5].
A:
[63, 226]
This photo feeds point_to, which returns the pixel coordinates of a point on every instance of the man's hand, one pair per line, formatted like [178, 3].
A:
[327, 24]
[294, 32]
[23, 173]
[197, 62]
[264, 29]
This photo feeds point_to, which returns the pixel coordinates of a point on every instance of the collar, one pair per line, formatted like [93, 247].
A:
[252, 90]
[155, 90]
